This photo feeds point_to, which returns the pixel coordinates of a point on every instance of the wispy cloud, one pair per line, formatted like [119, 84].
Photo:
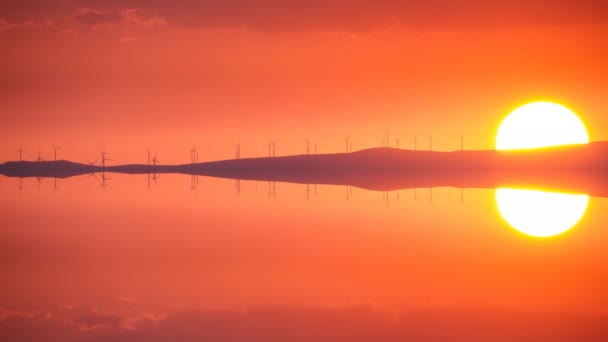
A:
[323, 323]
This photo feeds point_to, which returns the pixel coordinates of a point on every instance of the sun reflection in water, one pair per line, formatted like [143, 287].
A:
[540, 213]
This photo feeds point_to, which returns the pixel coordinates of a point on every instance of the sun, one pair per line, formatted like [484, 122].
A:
[540, 213]
[540, 124]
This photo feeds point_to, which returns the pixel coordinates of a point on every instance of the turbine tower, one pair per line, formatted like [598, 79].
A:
[307, 146]
[40, 159]
[269, 148]
[193, 155]
[237, 151]
[387, 140]
[20, 150]
[104, 158]
[55, 149]
[346, 142]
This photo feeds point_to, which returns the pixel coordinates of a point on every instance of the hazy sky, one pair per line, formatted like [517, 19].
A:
[133, 75]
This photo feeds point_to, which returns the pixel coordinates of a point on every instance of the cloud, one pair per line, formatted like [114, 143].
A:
[136, 17]
[336, 323]
[366, 15]
[29, 24]
[96, 18]
[93, 320]
[319, 15]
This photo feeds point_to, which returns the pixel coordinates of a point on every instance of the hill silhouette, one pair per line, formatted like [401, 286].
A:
[574, 168]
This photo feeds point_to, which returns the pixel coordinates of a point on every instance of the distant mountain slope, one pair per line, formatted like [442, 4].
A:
[577, 168]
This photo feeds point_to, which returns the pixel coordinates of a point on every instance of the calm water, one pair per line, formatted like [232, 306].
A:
[257, 261]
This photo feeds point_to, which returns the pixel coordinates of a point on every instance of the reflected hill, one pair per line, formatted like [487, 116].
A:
[575, 168]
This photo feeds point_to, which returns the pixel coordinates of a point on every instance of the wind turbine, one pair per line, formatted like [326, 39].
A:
[193, 155]
[346, 142]
[104, 158]
[20, 150]
[39, 157]
[387, 137]
[237, 151]
[55, 149]
[397, 142]
[274, 148]
[307, 146]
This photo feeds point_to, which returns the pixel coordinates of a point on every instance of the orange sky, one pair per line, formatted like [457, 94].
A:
[133, 75]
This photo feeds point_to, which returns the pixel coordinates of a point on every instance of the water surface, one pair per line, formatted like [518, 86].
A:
[225, 259]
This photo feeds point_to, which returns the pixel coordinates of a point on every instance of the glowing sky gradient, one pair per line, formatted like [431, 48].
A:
[168, 263]
[133, 75]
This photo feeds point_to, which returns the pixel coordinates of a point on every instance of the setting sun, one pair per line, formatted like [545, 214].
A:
[540, 124]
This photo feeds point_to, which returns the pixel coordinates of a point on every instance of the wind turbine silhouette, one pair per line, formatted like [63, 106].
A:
[103, 156]
[269, 148]
[39, 157]
[274, 148]
[20, 150]
[346, 140]
[237, 151]
[55, 149]
[307, 145]
[193, 155]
